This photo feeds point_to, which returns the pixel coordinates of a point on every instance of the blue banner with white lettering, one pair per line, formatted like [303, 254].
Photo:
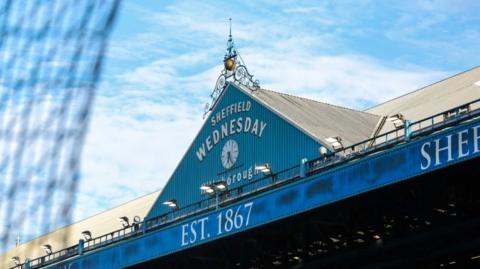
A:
[402, 162]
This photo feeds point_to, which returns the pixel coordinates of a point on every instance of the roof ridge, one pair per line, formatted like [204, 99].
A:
[319, 102]
[419, 89]
[297, 111]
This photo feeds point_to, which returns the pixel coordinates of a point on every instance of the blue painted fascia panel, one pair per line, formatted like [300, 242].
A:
[385, 168]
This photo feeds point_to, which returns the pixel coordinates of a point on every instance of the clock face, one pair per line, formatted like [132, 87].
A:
[229, 154]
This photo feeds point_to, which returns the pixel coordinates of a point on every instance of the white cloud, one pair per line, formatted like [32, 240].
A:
[349, 80]
[132, 152]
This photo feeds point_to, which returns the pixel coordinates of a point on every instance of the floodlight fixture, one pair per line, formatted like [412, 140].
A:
[266, 169]
[87, 235]
[331, 139]
[323, 151]
[124, 221]
[215, 188]
[276, 262]
[334, 240]
[477, 83]
[398, 120]
[47, 248]
[207, 188]
[15, 260]
[220, 185]
[464, 109]
[210, 190]
[335, 142]
[171, 203]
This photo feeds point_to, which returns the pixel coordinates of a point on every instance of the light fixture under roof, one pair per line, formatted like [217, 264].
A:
[47, 248]
[124, 221]
[477, 83]
[264, 168]
[359, 240]
[220, 185]
[335, 142]
[15, 260]
[87, 235]
[334, 240]
[331, 139]
[323, 151]
[216, 186]
[398, 120]
[207, 188]
[171, 203]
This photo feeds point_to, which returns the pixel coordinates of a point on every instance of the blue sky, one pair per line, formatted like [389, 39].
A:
[165, 56]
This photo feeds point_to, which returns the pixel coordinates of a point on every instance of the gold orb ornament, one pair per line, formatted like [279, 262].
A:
[229, 64]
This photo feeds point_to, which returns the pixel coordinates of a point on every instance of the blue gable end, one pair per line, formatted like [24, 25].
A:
[239, 133]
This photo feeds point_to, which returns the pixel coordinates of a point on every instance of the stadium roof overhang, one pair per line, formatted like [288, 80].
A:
[364, 164]
[291, 193]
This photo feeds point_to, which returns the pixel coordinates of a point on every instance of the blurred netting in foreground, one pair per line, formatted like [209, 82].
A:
[51, 54]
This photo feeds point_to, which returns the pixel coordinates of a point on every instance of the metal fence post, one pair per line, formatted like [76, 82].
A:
[144, 226]
[303, 167]
[408, 130]
[27, 263]
[81, 247]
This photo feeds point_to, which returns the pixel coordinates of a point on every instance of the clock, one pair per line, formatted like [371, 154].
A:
[229, 153]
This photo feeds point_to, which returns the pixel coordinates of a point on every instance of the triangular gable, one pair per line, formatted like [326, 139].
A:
[239, 123]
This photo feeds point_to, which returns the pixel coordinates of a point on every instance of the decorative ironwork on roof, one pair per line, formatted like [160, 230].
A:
[234, 70]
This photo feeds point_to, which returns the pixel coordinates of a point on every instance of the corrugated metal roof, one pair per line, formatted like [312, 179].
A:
[317, 119]
[433, 99]
[100, 224]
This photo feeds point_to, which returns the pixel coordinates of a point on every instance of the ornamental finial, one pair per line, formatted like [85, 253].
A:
[231, 55]
[234, 71]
